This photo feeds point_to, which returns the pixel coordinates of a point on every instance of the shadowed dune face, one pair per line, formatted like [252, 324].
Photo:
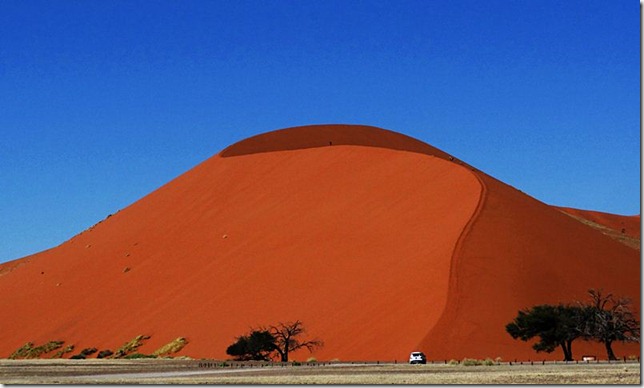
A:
[329, 135]
[518, 253]
[379, 243]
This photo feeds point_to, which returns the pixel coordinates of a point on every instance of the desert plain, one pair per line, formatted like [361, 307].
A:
[210, 372]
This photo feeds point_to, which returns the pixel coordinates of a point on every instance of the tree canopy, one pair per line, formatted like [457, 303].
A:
[604, 319]
[262, 344]
[256, 345]
[556, 326]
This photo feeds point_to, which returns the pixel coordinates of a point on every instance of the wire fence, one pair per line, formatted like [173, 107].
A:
[215, 364]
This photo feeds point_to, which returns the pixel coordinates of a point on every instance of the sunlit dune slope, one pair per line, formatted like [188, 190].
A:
[354, 241]
[379, 243]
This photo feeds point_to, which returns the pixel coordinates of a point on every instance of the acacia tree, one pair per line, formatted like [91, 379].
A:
[611, 320]
[286, 339]
[256, 345]
[556, 326]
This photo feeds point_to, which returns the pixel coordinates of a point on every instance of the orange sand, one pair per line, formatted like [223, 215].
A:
[380, 243]
[628, 225]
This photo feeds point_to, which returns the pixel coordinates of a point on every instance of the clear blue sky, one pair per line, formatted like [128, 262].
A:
[102, 102]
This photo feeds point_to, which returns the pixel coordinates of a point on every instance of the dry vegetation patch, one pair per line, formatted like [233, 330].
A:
[172, 347]
[131, 346]
[625, 239]
[29, 351]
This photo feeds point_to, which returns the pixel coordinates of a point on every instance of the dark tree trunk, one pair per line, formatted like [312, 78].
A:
[609, 350]
[566, 346]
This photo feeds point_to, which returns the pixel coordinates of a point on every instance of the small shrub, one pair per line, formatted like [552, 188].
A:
[311, 359]
[46, 348]
[130, 346]
[471, 362]
[453, 362]
[488, 362]
[296, 363]
[104, 353]
[172, 347]
[77, 357]
[61, 352]
[134, 356]
[498, 360]
[88, 351]
[22, 351]
[29, 351]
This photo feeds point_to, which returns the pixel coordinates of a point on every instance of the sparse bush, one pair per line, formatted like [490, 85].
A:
[296, 363]
[104, 353]
[172, 347]
[498, 360]
[77, 357]
[488, 362]
[453, 362]
[28, 351]
[471, 362]
[88, 351]
[311, 359]
[61, 352]
[22, 351]
[130, 346]
[138, 355]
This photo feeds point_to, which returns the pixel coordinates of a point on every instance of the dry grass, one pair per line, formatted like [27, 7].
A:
[629, 241]
[190, 372]
[130, 346]
[62, 352]
[29, 351]
[172, 347]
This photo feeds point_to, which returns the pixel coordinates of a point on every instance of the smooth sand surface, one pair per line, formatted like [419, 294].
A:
[379, 243]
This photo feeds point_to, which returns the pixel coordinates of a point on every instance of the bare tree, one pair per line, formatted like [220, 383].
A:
[286, 338]
[611, 320]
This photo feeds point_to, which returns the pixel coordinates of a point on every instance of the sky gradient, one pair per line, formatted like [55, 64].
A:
[101, 102]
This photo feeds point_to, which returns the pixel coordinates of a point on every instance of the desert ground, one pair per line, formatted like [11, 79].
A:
[216, 372]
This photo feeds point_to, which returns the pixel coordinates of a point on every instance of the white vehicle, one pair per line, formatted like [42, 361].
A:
[417, 358]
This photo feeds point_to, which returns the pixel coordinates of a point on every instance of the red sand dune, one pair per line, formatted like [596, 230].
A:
[379, 243]
[627, 225]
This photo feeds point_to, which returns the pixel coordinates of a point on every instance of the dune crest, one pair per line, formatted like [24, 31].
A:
[314, 136]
